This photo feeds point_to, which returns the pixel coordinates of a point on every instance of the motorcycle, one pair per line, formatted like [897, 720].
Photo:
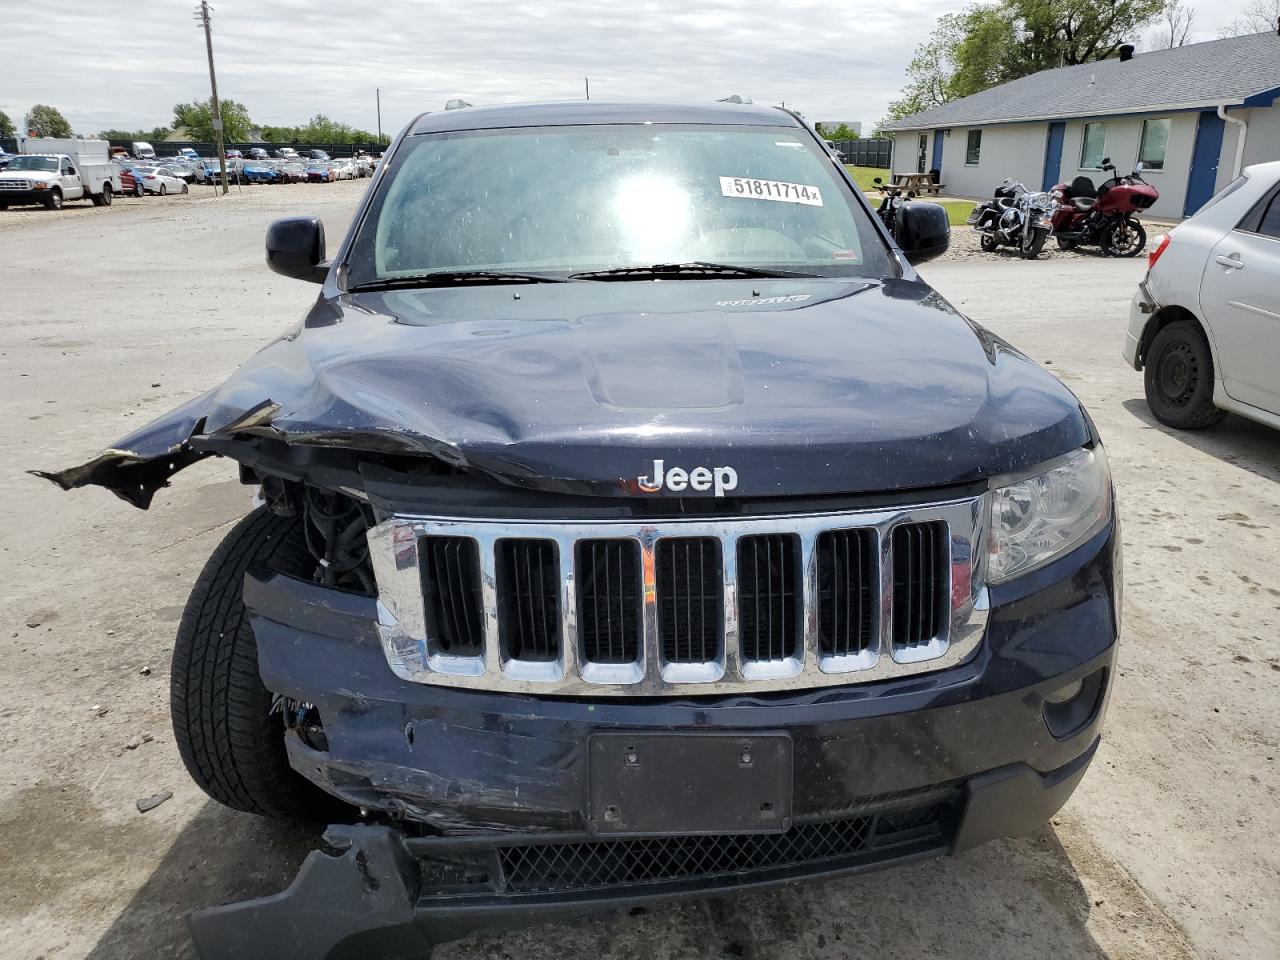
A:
[1015, 217]
[891, 198]
[1104, 216]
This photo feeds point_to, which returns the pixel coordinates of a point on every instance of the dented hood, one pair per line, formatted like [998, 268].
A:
[801, 386]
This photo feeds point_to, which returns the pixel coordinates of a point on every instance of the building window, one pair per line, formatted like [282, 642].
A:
[1155, 141]
[1093, 146]
[973, 149]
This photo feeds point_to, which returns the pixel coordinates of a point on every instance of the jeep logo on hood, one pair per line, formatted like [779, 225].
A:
[719, 480]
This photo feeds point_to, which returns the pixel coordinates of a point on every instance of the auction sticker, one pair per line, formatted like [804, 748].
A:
[778, 190]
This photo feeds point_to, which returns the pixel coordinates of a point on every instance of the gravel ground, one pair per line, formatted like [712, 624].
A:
[1167, 850]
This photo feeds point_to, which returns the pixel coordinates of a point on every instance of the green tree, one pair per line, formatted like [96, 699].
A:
[993, 43]
[197, 119]
[155, 133]
[319, 129]
[841, 131]
[47, 122]
[6, 126]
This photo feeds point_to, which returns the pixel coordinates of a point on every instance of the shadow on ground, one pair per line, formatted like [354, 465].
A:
[1010, 899]
[1236, 440]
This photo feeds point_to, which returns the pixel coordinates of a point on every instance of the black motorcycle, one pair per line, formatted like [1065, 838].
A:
[1015, 217]
[891, 199]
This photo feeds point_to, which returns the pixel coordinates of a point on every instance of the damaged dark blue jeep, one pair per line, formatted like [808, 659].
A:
[634, 523]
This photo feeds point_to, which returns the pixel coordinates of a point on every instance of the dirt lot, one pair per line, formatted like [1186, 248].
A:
[113, 316]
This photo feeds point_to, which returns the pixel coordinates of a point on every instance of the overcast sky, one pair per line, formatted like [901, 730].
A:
[118, 65]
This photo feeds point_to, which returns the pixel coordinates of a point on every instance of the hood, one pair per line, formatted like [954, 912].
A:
[801, 387]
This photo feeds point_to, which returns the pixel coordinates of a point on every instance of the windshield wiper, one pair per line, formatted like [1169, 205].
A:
[693, 270]
[454, 278]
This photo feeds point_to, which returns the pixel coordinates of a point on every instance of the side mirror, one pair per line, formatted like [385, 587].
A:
[876, 180]
[295, 248]
[1106, 161]
[923, 230]
[1138, 167]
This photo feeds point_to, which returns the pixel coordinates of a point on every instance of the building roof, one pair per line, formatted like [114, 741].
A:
[573, 112]
[1231, 71]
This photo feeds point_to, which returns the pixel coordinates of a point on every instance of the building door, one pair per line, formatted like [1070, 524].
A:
[922, 150]
[1204, 162]
[937, 152]
[1053, 155]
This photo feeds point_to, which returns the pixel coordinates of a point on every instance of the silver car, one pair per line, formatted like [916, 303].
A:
[1204, 326]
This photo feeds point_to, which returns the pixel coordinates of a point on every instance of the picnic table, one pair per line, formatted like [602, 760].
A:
[918, 182]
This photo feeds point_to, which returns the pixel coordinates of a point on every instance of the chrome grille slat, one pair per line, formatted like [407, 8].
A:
[831, 622]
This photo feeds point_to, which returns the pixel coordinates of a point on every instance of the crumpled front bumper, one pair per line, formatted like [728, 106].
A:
[494, 790]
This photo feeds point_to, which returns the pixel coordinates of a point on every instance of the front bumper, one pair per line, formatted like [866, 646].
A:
[387, 895]
[1141, 308]
[24, 196]
[495, 788]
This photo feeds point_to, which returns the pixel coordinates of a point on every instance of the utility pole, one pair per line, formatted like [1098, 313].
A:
[378, 93]
[587, 82]
[202, 16]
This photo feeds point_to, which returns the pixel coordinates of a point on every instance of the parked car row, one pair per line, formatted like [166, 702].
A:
[255, 166]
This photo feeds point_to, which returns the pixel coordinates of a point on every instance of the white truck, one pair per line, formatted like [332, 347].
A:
[50, 171]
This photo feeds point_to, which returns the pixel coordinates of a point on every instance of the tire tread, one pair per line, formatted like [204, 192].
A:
[229, 740]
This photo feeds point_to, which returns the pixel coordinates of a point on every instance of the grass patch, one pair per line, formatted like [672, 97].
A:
[957, 210]
[863, 176]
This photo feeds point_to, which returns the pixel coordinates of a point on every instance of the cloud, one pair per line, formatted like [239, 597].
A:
[288, 59]
[106, 65]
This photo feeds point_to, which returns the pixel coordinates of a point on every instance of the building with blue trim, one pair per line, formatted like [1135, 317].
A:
[1193, 115]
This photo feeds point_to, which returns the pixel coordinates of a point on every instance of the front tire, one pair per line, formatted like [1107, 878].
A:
[54, 200]
[1178, 378]
[1038, 237]
[230, 738]
[987, 243]
[185, 188]
[1124, 238]
[164, 191]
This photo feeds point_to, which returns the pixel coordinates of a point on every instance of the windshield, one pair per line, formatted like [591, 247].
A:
[568, 200]
[33, 163]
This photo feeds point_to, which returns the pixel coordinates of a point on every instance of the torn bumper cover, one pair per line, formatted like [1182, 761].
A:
[387, 895]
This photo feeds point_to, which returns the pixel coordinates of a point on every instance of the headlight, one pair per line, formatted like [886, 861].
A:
[1038, 519]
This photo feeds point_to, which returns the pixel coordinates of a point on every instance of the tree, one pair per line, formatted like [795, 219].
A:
[841, 131]
[1261, 16]
[1174, 27]
[197, 118]
[319, 129]
[155, 133]
[993, 43]
[6, 126]
[47, 122]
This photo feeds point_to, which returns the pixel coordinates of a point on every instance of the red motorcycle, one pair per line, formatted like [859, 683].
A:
[1104, 216]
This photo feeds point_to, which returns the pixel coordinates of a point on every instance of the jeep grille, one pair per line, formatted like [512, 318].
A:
[681, 606]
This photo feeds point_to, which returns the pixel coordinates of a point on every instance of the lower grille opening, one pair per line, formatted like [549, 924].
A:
[846, 594]
[920, 582]
[529, 599]
[607, 863]
[689, 607]
[450, 568]
[768, 588]
[609, 600]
